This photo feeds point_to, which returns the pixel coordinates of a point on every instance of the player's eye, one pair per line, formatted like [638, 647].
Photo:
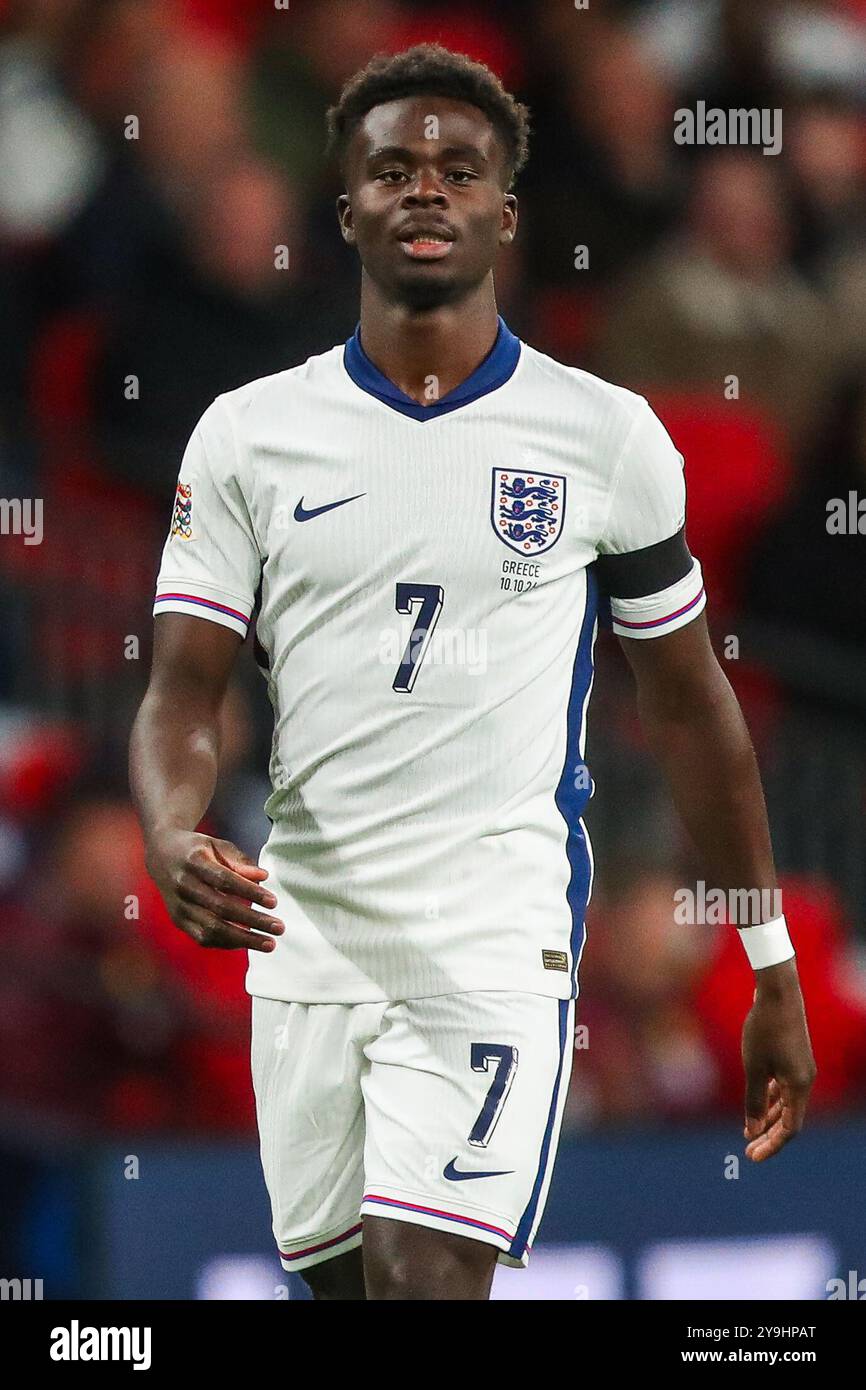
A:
[391, 175]
[462, 175]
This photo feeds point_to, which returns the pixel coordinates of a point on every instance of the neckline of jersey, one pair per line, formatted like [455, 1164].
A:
[499, 364]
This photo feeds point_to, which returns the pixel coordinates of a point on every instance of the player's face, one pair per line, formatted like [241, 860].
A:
[426, 206]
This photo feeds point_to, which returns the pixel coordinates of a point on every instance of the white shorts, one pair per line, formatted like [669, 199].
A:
[444, 1112]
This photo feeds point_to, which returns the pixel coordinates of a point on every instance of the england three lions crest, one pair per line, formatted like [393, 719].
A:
[527, 510]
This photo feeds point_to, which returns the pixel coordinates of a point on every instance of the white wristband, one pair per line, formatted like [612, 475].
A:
[767, 944]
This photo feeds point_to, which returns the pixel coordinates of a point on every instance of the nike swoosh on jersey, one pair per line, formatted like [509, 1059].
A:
[455, 1175]
[301, 513]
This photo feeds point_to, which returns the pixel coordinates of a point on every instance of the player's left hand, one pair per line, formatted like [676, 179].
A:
[778, 1061]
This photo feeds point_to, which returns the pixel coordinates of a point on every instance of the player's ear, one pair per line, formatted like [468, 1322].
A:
[344, 215]
[509, 219]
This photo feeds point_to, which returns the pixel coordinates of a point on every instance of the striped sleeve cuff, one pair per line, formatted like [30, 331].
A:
[200, 601]
[654, 615]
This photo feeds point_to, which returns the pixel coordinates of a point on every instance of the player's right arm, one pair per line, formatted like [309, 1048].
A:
[207, 884]
[205, 594]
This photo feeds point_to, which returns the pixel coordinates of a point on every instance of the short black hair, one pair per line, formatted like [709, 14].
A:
[428, 68]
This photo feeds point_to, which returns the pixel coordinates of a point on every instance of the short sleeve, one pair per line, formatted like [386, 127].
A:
[210, 562]
[644, 566]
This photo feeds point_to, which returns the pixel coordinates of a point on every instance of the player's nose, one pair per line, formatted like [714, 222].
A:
[425, 190]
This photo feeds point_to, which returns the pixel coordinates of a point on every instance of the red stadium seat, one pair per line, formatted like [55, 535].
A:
[60, 373]
[466, 29]
[565, 322]
[94, 569]
[737, 473]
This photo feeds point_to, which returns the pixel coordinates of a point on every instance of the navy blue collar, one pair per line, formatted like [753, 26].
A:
[494, 371]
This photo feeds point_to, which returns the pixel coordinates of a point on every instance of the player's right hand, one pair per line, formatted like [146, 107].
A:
[208, 886]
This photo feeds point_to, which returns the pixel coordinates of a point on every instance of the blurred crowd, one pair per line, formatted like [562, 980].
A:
[153, 156]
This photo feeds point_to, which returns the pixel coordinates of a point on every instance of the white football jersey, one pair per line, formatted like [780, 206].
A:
[429, 580]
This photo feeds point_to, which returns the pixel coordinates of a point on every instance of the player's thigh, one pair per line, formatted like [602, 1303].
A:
[464, 1101]
[307, 1061]
[339, 1279]
[405, 1261]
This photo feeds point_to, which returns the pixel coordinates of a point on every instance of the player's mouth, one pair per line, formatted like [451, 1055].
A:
[427, 244]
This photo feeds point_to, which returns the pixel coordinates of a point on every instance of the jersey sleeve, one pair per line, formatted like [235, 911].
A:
[210, 562]
[652, 582]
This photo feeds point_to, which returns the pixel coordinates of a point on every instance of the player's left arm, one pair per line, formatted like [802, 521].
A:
[695, 729]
